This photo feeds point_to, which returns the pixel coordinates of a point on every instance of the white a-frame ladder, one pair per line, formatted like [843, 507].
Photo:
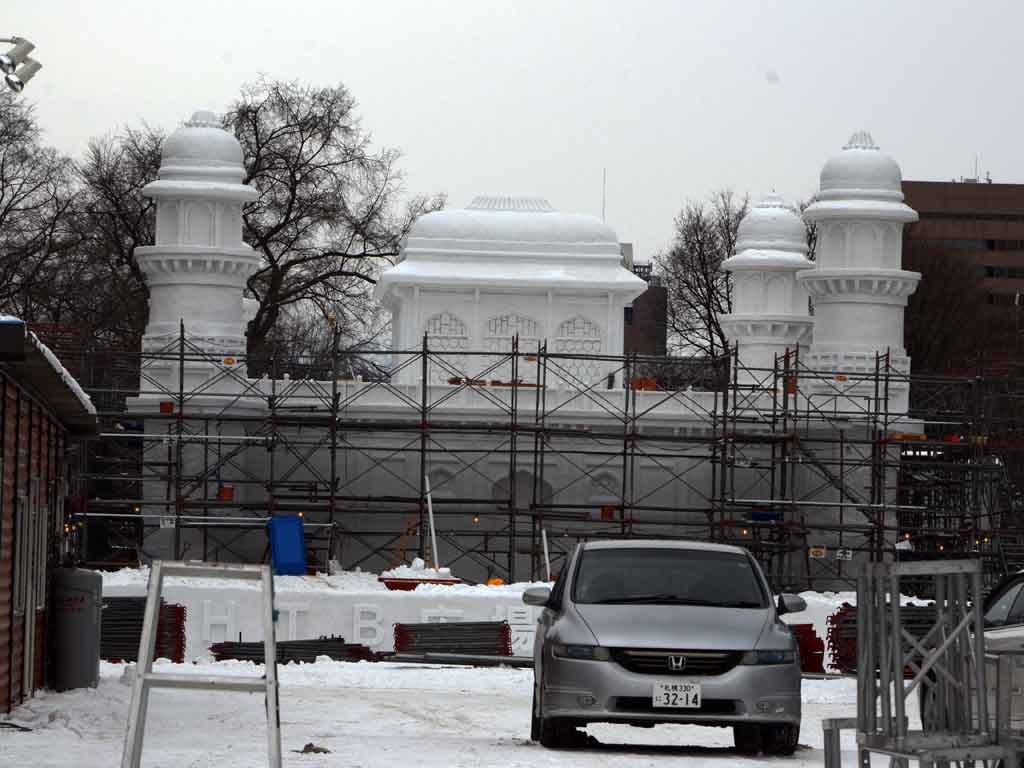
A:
[146, 679]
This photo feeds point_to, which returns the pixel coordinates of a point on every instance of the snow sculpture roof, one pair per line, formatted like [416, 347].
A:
[521, 243]
[861, 170]
[201, 150]
[860, 181]
[512, 225]
[772, 232]
[505, 203]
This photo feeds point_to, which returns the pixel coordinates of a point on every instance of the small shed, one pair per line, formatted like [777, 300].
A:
[43, 411]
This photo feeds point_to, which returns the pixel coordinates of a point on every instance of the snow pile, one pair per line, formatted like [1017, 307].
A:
[418, 570]
[135, 580]
[480, 590]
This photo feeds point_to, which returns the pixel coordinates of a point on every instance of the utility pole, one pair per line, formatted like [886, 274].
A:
[604, 187]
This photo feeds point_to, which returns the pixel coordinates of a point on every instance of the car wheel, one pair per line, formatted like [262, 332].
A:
[557, 733]
[747, 738]
[780, 739]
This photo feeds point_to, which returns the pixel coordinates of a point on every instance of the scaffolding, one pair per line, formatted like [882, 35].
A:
[811, 470]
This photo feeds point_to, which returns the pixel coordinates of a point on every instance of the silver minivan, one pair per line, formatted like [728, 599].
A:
[648, 632]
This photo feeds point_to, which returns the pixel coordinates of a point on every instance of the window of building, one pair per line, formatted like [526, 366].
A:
[627, 315]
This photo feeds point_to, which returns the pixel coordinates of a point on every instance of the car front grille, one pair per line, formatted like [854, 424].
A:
[645, 704]
[692, 664]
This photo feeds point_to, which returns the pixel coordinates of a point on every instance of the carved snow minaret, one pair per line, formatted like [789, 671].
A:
[770, 313]
[859, 288]
[198, 268]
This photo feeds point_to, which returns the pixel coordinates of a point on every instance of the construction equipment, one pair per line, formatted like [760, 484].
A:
[489, 638]
[146, 679]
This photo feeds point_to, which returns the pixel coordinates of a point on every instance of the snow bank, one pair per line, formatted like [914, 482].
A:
[136, 579]
[352, 605]
[418, 570]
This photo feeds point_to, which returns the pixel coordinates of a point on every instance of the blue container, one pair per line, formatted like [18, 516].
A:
[287, 545]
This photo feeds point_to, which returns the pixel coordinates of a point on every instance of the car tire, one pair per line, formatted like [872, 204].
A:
[781, 739]
[557, 733]
[535, 718]
[747, 738]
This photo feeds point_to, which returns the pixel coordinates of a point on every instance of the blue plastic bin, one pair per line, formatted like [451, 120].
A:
[287, 545]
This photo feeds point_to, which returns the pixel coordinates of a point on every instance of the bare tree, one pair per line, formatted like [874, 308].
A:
[112, 219]
[328, 216]
[699, 292]
[36, 196]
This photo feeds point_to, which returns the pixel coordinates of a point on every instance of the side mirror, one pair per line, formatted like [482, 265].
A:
[537, 596]
[791, 604]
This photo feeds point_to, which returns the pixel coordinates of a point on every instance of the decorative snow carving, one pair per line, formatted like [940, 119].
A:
[498, 336]
[448, 336]
[580, 336]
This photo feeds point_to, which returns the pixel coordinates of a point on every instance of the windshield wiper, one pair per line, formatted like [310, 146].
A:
[662, 598]
[667, 599]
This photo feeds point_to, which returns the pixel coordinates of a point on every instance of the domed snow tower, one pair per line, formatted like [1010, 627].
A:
[770, 313]
[198, 268]
[859, 289]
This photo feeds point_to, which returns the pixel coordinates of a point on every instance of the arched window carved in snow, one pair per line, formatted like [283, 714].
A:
[579, 336]
[498, 335]
[447, 340]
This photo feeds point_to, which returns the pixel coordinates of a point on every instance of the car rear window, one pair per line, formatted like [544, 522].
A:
[667, 577]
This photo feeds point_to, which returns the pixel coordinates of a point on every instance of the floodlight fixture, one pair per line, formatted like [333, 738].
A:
[19, 53]
[24, 73]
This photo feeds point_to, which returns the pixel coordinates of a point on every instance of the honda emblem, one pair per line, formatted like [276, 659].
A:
[677, 663]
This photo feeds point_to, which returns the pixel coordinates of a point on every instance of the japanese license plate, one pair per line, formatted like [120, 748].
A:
[678, 694]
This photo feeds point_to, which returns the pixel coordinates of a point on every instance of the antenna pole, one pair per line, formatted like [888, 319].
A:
[604, 186]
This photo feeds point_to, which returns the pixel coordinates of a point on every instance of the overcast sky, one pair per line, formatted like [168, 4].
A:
[674, 99]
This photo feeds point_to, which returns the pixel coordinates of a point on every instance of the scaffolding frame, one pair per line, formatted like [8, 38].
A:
[752, 428]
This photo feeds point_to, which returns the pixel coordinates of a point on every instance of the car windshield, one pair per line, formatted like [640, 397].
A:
[667, 577]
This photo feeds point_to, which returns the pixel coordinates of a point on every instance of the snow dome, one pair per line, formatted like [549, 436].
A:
[511, 243]
[526, 228]
[861, 170]
[771, 230]
[201, 149]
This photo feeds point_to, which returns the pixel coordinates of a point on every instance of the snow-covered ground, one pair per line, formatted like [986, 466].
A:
[369, 715]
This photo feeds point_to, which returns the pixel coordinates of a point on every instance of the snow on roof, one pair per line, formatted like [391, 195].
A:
[69, 381]
[46, 353]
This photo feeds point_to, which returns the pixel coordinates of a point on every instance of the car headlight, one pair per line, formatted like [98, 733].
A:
[768, 657]
[581, 652]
